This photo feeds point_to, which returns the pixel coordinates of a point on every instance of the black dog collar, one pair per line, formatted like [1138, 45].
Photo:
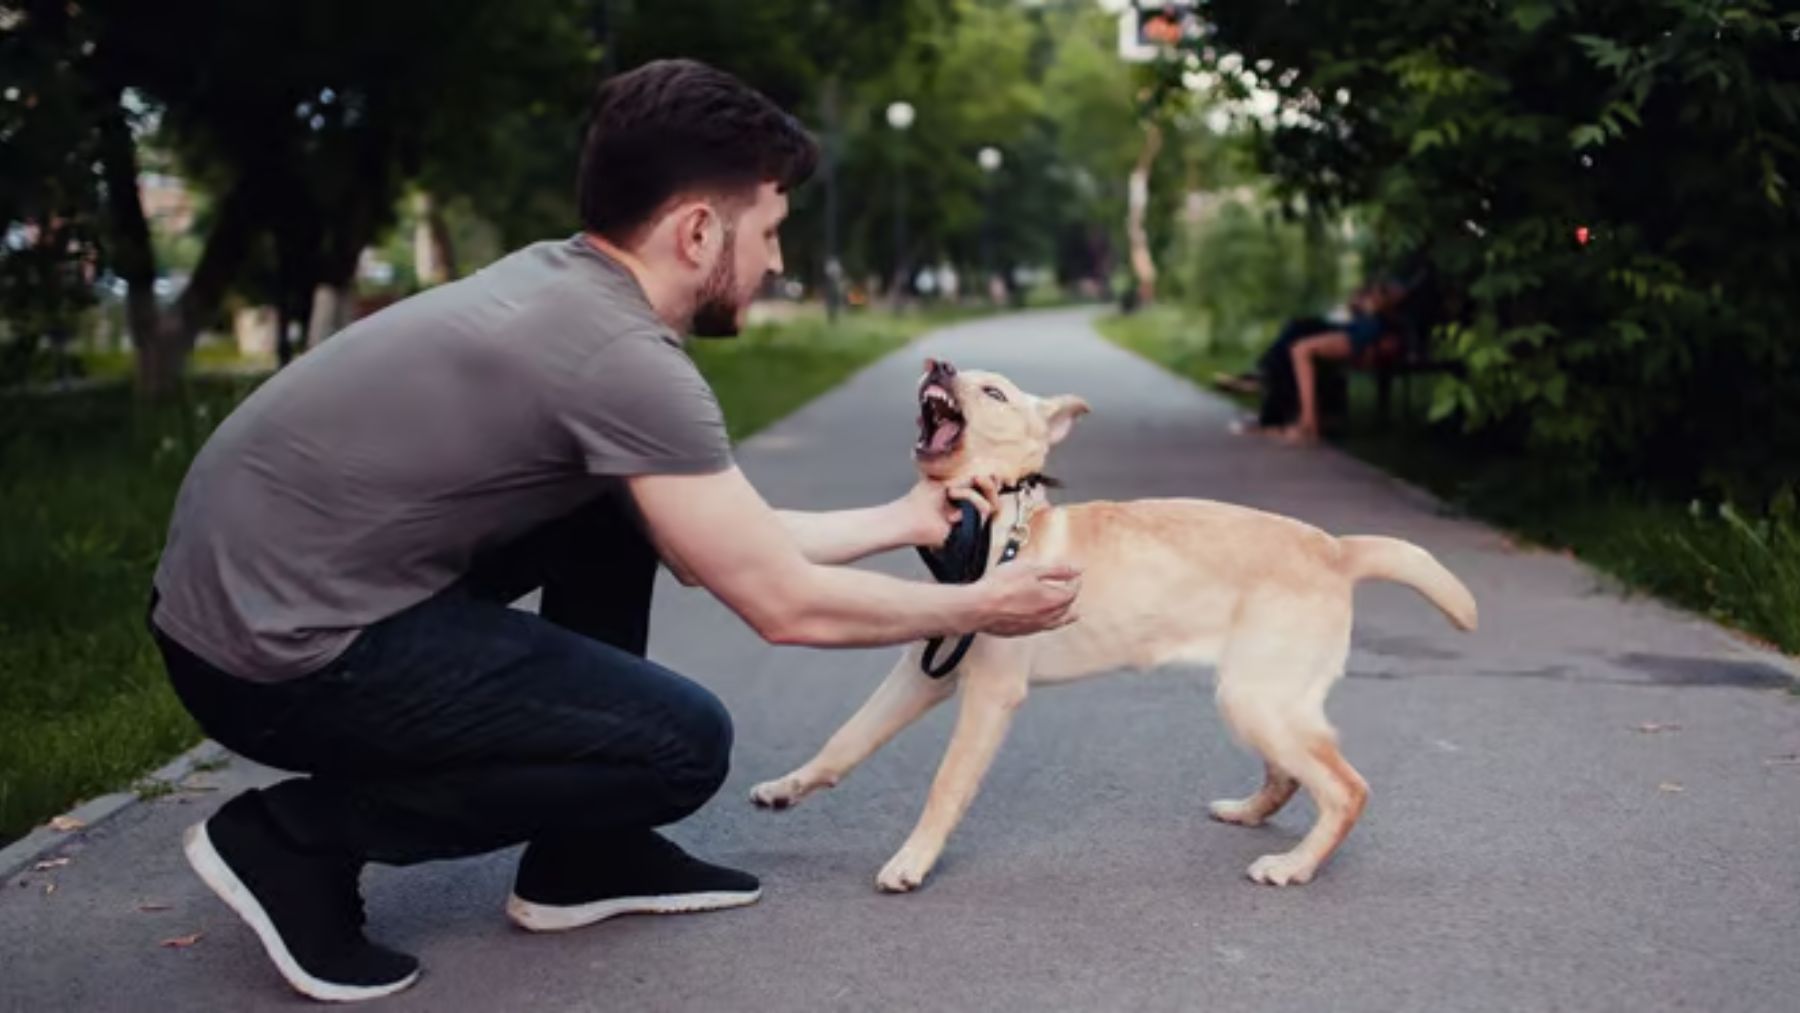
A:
[962, 559]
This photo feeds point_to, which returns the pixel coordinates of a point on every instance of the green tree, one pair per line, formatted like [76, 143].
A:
[1601, 186]
[304, 122]
[49, 192]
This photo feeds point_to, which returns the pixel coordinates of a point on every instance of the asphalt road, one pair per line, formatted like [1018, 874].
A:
[1528, 844]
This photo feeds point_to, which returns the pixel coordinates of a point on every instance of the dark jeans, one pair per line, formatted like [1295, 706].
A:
[1280, 388]
[461, 725]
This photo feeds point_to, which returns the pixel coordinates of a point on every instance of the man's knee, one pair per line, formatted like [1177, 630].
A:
[705, 734]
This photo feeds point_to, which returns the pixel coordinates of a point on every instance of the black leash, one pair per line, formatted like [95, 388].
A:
[962, 559]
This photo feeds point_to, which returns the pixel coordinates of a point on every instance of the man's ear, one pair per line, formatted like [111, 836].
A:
[697, 228]
[1061, 413]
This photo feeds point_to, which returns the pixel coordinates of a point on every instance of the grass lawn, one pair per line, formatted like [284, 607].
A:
[86, 483]
[1740, 571]
[770, 370]
[1179, 341]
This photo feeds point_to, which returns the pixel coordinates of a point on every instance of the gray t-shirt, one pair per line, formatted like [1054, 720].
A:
[363, 478]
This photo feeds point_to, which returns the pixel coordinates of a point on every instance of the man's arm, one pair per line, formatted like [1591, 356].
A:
[921, 517]
[718, 530]
[842, 536]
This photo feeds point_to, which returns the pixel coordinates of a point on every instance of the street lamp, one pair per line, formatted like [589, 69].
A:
[900, 117]
[990, 160]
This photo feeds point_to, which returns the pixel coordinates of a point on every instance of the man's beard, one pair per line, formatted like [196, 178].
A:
[716, 314]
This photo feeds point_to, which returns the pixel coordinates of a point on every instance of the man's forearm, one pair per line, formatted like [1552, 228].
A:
[842, 607]
[717, 530]
[843, 536]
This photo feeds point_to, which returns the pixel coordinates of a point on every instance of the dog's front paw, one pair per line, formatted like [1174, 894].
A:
[781, 793]
[1283, 870]
[904, 872]
[1241, 811]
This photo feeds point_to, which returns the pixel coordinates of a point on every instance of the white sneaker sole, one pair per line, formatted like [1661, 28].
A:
[560, 918]
[216, 874]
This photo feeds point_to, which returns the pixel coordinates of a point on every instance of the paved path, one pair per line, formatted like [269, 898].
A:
[1527, 846]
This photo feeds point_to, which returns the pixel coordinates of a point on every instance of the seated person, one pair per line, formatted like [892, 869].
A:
[1286, 374]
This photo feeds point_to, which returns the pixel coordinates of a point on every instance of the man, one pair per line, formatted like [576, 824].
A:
[333, 597]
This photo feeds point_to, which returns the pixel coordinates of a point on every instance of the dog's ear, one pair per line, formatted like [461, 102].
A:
[1061, 413]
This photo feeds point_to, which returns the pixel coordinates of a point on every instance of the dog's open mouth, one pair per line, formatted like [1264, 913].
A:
[940, 422]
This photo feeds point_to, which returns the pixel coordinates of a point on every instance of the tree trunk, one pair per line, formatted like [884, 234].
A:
[164, 340]
[227, 246]
[297, 268]
[330, 312]
[428, 260]
[1142, 264]
[291, 310]
[319, 272]
[163, 350]
[159, 366]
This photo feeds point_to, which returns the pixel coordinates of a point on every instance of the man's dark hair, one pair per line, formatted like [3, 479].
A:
[678, 126]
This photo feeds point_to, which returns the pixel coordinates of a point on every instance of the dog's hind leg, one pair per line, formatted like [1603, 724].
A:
[992, 691]
[1278, 786]
[1310, 750]
[902, 698]
[1272, 686]
[1258, 674]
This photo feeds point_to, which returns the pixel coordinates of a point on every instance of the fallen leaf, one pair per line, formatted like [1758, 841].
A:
[153, 906]
[66, 824]
[182, 942]
[49, 888]
[50, 863]
[1670, 786]
[1652, 727]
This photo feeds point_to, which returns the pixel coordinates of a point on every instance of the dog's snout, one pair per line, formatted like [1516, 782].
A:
[938, 369]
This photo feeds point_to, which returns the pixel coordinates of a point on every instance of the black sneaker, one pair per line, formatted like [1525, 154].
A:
[564, 885]
[306, 909]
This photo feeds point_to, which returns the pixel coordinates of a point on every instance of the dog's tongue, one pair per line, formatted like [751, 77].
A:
[944, 435]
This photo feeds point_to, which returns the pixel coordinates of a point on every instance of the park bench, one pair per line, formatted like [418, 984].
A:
[1405, 351]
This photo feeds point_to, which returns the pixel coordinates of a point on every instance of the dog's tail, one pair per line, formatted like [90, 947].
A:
[1370, 556]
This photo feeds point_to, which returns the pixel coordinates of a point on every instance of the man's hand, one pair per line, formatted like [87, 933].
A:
[719, 530]
[930, 508]
[1028, 597]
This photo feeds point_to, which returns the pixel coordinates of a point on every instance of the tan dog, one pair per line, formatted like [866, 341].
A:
[1264, 598]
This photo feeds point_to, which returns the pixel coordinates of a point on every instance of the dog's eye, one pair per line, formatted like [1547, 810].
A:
[995, 393]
